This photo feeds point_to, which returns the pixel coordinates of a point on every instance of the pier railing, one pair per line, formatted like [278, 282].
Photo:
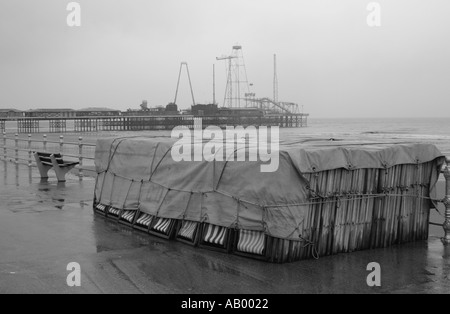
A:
[20, 150]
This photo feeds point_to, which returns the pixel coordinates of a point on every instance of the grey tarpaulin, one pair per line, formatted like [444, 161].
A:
[139, 172]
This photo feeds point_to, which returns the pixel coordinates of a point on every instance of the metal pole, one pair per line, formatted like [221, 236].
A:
[238, 83]
[80, 157]
[178, 83]
[45, 142]
[29, 150]
[214, 84]
[61, 143]
[231, 84]
[190, 84]
[275, 79]
[4, 145]
[17, 147]
[446, 200]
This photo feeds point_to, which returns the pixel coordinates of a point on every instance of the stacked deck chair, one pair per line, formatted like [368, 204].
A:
[113, 213]
[143, 222]
[100, 209]
[311, 198]
[127, 217]
[163, 227]
[251, 243]
[216, 238]
[188, 232]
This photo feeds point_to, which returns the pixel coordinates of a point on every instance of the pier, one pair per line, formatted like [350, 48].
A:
[140, 123]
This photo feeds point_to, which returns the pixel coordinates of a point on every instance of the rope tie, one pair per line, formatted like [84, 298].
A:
[314, 251]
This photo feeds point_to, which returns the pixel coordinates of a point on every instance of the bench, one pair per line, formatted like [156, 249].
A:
[46, 161]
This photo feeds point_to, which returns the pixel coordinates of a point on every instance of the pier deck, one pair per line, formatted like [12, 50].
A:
[44, 226]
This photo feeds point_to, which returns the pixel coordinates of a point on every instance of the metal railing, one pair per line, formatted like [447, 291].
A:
[22, 150]
[446, 202]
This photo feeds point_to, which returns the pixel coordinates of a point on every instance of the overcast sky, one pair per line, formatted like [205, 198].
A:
[329, 59]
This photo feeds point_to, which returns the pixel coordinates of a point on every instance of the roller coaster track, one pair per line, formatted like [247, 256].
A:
[269, 104]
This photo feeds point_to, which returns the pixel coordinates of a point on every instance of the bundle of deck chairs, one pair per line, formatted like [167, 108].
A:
[326, 197]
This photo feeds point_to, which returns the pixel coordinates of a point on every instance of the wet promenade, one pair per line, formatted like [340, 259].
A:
[46, 225]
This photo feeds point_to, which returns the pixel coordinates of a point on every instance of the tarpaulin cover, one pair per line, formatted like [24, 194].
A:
[140, 173]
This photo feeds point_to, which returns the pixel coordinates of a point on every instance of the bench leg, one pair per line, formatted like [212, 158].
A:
[60, 171]
[43, 169]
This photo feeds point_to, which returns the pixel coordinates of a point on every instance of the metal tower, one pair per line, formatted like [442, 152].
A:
[214, 84]
[237, 83]
[178, 83]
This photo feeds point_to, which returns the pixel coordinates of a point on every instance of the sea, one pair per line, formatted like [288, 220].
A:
[422, 130]
[435, 130]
